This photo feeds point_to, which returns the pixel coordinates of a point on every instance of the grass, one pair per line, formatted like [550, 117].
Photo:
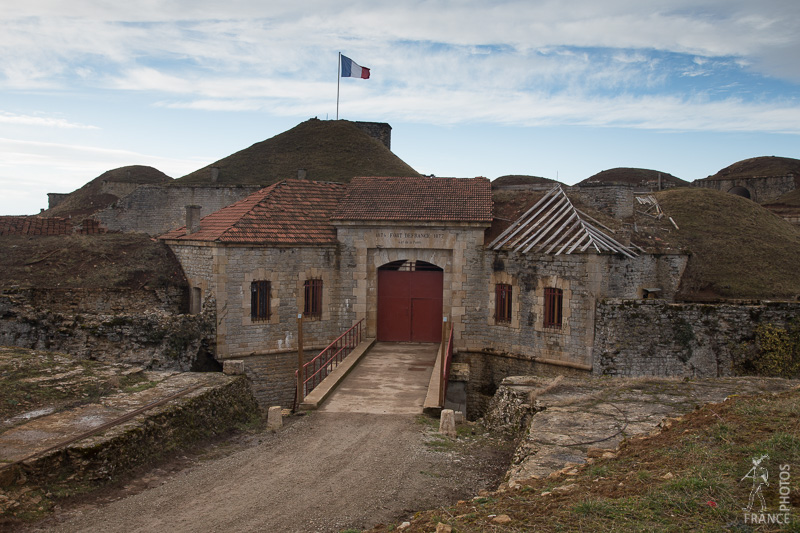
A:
[738, 248]
[687, 478]
[329, 150]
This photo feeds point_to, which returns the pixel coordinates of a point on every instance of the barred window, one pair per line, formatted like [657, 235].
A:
[313, 298]
[502, 303]
[259, 300]
[553, 301]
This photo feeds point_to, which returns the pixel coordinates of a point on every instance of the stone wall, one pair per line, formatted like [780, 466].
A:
[762, 189]
[287, 269]
[377, 130]
[487, 370]
[272, 377]
[653, 337]
[616, 199]
[136, 327]
[583, 279]
[156, 209]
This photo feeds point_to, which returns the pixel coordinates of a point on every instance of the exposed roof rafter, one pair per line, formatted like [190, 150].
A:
[554, 226]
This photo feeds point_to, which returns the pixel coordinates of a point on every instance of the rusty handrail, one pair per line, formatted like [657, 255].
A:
[320, 366]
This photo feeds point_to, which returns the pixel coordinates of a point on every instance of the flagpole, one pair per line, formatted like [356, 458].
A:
[338, 78]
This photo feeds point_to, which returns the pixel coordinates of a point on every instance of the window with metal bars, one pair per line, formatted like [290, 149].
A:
[259, 300]
[313, 298]
[502, 302]
[553, 301]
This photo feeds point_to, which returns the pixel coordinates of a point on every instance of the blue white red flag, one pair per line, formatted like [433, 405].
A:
[351, 69]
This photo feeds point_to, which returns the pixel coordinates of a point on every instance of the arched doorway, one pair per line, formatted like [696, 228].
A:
[740, 191]
[410, 302]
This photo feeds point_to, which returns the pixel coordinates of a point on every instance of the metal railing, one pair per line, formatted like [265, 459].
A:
[318, 368]
[447, 359]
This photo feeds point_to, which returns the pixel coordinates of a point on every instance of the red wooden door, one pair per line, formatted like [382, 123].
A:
[410, 306]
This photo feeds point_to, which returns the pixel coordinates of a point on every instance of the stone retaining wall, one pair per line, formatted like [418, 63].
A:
[656, 338]
[113, 326]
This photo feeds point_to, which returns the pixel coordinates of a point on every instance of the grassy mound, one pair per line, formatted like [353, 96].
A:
[738, 248]
[634, 176]
[518, 179]
[329, 150]
[88, 261]
[92, 197]
[760, 166]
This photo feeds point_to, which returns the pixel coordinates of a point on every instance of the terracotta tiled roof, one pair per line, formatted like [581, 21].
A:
[35, 225]
[422, 199]
[289, 212]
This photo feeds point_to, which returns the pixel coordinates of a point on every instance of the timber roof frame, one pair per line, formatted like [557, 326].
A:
[554, 226]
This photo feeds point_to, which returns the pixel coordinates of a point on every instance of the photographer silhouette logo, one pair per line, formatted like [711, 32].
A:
[759, 474]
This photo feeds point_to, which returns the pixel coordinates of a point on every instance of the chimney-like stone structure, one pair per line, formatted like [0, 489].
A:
[301, 173]
[378, 130]
[192, 218]
[214, 174]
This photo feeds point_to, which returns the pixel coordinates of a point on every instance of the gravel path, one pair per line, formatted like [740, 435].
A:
[325, 472]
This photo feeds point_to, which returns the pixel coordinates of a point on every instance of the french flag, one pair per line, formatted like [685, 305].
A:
[351, 69]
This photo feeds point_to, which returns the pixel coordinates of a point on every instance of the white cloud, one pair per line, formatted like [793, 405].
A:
[40, 120]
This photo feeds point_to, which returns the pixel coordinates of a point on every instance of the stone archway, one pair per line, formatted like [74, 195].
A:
[740, 191]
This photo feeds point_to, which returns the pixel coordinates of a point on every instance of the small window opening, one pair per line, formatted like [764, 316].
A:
[259, 300]
[553, 301]
[502, 302]
[313, 298]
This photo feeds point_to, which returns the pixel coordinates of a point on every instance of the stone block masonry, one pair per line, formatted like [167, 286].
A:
[656, 338]
[156, 209]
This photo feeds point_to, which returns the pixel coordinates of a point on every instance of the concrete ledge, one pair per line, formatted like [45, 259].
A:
[321, 392]
[431, 405]
[214, 407]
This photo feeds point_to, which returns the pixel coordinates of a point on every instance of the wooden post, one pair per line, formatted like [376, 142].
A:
[442, 367]
[300, 361]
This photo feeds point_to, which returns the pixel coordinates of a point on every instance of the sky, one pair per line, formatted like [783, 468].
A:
[552, 88]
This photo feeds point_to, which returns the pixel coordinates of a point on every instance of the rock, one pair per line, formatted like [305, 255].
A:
[501, 519]
[403, 526]
[274, 418]
[233, 367]
[443, 528]
[668, 475]
[598, 452]
[565, 488]
[447, 423]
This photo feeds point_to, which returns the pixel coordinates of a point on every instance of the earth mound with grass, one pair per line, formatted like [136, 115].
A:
[636, 177]
[760, 166]
[328, 150]
[96, 195]
[738, 249]
[513, 180]
[88, 262]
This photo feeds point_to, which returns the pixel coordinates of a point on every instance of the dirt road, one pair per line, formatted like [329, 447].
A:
[325, 472]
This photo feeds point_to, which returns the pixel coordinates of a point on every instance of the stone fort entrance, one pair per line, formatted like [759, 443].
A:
[410, 301]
